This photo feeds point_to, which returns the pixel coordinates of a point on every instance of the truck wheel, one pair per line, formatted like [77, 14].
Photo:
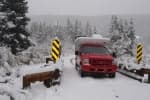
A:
[112, 75]
[82, 74]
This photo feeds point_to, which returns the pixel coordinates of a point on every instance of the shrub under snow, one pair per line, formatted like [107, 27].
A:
[7, 60]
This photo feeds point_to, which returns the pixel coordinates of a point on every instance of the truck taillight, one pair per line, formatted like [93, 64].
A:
[85, 62]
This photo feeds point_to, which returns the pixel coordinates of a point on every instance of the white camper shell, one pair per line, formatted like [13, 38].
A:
[95, 39]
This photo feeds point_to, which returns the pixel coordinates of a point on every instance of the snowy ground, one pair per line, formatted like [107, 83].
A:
[73, 87]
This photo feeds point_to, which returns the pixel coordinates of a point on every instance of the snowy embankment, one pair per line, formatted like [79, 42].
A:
[130, 62]
[9, 92]
[128, 66]
[10, 89]
[11, 86]
[73, 87]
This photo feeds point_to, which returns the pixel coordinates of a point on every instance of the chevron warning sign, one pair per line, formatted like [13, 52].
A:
[139, 54]
[55, 50]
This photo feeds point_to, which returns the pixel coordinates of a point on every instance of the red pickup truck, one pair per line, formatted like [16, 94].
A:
[92, 57]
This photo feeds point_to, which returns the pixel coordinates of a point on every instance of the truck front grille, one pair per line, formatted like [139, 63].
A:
[100, 62]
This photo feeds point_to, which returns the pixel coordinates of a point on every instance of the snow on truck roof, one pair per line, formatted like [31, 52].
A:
[95, 39]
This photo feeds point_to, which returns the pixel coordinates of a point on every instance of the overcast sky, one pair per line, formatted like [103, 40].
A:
[88, 7]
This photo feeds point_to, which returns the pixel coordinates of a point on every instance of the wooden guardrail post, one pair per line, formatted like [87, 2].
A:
[148, 78]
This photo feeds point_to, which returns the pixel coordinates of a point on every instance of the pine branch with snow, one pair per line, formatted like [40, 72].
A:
[14, 34]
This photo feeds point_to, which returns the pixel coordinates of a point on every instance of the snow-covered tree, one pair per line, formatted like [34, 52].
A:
[33, 27]
[114, 24]
[16, 36]
[120, 26]
[88, 29]
[122, 36]
[126, 26]
[69, 30]
[131, 32]
[59, 31]
[78, 31]
[95, 30]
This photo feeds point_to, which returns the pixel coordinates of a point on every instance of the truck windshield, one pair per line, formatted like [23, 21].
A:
[94, 50]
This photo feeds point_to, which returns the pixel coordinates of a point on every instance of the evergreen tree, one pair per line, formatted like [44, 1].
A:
[88, 29]
[120, 26]
[114, 24]
[3, 20]
[16, 36]
[34, 28]
[69, 30]
[123, 36]
[114, 29]
[77, 29]
[95, 30]
[131, 35]
[59, 32]
[126, 26]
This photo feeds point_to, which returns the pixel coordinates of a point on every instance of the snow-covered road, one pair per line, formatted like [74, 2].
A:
[73, 87]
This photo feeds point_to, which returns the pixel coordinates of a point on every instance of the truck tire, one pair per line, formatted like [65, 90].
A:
[112, 75]
[82, 74]
[75, 66]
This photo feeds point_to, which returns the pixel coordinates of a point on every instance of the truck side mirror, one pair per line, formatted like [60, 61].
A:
[76, 52]
[114, 55]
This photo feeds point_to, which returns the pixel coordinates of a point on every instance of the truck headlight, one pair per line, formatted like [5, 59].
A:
[85, 62]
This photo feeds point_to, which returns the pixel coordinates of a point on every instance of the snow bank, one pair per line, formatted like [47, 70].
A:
[11, 86]
[24, 70]
[33, 55]
[7, 61]
[8, 92]
[130, 62]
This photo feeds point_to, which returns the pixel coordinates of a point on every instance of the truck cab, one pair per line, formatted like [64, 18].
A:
[93, 57]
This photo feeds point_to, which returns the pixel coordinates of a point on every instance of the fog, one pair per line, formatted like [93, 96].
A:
[88, 7]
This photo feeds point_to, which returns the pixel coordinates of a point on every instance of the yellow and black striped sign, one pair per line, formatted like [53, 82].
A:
[139, 54]
[55, 50]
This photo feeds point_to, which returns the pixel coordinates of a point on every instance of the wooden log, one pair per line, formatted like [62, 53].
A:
[47, 77]
[145, 70]
[148, 78]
